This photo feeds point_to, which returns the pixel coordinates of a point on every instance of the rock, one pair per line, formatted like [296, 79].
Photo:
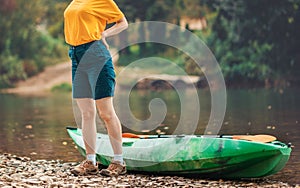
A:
[86, 181]
[47, 179]
[22, 172]
[7, 178]
[32, 181]
[122, 185]
[16, 177]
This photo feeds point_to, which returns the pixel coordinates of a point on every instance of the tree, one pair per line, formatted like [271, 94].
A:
[54, 17]
[25, 48]
[256, 41]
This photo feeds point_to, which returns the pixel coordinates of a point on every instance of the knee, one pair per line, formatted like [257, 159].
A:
[88, 114]
[106, 117]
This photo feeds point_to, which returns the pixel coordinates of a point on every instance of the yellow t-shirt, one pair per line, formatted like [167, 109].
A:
[85, 20]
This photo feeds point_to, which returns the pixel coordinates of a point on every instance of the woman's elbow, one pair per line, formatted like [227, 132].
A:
[126, 25]
[123, 23]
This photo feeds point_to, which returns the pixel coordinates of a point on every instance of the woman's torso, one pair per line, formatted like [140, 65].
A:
[85, 20]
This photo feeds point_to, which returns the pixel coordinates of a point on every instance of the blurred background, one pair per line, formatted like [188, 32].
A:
[255, 42]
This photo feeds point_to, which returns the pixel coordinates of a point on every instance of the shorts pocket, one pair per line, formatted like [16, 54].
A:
[100, 50]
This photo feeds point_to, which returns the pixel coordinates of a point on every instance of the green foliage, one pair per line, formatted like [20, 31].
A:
[11, 69]
[54, 16]
[255, 41]
[25, 46]
[64, 87]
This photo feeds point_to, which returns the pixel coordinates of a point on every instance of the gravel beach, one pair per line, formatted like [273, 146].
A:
[18, 171]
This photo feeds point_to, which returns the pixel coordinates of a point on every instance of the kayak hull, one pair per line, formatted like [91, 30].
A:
[193, 155]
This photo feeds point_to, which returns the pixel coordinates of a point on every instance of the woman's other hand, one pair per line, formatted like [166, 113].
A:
[120, 25]
[104, 40]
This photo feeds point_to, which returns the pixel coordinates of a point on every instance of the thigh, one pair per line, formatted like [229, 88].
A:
[100, 71]
[80, 81]
[105, 82]
[105, 106]
[86, 104]
[81, 87]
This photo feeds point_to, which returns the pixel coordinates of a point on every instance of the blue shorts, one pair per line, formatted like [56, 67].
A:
[93, 74]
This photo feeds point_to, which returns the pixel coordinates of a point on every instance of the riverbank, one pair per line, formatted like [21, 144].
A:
[56, 75]
[44, 81]
[18, 171]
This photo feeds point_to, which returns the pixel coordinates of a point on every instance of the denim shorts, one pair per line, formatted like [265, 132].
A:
[93, 74]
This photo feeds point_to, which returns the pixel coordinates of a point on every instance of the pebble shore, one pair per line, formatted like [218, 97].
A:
[18, 171]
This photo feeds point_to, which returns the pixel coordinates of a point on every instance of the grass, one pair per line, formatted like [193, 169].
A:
[64, 87]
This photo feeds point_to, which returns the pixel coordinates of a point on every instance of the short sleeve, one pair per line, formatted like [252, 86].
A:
[111, 13]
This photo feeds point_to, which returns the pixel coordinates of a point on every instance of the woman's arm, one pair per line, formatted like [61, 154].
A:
[120, 25]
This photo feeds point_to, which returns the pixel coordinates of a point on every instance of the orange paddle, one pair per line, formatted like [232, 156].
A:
[131, 135]
[255, 138]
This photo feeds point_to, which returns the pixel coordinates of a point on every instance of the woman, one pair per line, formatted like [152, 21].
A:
[93, 76]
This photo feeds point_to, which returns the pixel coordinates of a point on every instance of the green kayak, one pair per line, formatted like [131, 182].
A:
[195, 155]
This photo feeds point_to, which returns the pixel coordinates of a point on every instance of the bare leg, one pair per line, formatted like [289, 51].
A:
[112, 122]
[88, 113]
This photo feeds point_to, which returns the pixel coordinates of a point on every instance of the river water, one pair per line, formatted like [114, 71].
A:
[34, 126]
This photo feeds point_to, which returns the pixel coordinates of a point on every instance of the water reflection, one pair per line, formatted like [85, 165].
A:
[35, 126]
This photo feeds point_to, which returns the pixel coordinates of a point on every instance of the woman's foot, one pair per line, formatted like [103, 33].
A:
[86, 167]
[114, 169]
